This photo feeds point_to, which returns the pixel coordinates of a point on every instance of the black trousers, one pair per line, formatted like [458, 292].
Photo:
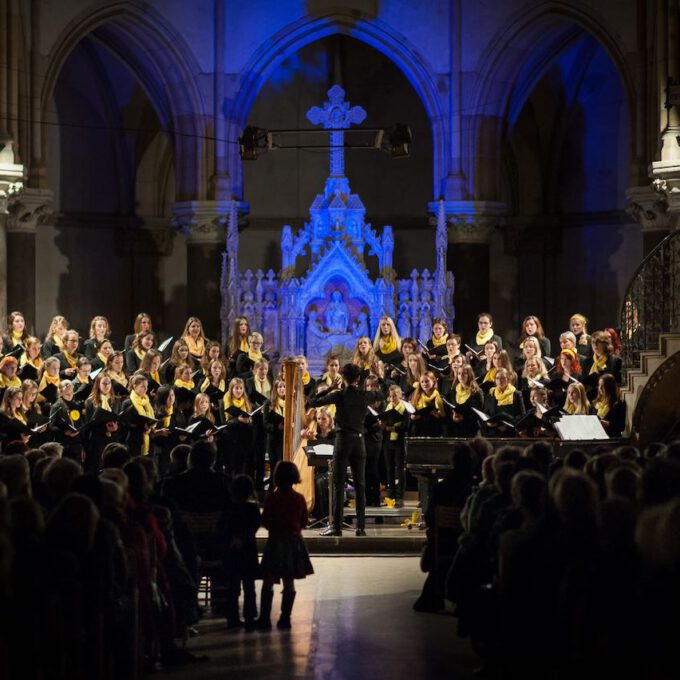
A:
[349, 450]
[394, 462]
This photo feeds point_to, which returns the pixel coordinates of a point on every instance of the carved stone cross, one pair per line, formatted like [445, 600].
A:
[336, 114]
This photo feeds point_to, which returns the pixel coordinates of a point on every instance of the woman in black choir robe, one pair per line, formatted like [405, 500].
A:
[485, 371]
[48, 387]
[246, 360]
[387, 344]
[534, 374]
[576, 402]
[15, 334]
[504, 399]
[9, 367]
[33, 413]
[363, 356]
[235, 445]
[203, 416]
[179, 356]
[393, 445]
[397, 368]
[415, 368]
[373, 442]
[13, 423]
[567, 370]
[436, 345]
[485, 334]
[600, 362]
[54, 340]
[68, 357]
[428, 419]
[320, 430]
[195, 338]
[308, 383]
[259, 390]
[532, 328]
[578, 325]
[104, 432]
[99, 331]
[238, 343]
[31, 362]
[214, 384]
[274, 423]
[136, 407]
[101, 356]
[142, 323]
[611, 409]
[165, 437]
[115, 366]
[65, 422]
[213, 351]
[530, 349]
[143, 342]
[150, 367]
[465, 393]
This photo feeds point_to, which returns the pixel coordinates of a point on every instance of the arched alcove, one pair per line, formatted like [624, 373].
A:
[281, 185]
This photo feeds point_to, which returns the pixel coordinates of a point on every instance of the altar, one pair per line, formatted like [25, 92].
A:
[323, 308]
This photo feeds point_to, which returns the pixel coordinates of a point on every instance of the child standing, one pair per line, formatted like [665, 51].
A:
[241, 522]
[285, 556]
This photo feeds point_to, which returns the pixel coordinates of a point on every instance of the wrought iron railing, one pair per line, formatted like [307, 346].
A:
[651, 305]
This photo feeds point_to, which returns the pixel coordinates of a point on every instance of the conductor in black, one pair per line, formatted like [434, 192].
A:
[351, 403]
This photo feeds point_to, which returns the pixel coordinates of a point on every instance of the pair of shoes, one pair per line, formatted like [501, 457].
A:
[360, 532]
[330, 531]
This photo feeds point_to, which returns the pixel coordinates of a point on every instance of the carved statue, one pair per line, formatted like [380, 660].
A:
[337, 314]
[317, 339]
[361, 326]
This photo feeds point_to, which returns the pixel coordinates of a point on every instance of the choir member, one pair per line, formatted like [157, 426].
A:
[179, 356]
[138, 404]
[150, 366]
[576, 403]
[68, 357]
[203, 416]
[54, 340]
[13, 423]
[578, 325]
[15, 334]
[611, 409]
[532, 328]
[142, 323]
[195, 338]
[31, 362]
[65, 421]
[33, 413]
[387, 343]
[467, 394]
[99, 331]
[246, 360]
[415, 368]
[534, 374]
[259, 391]
[393, 445]
[235, 445]
[428, 419]
[530, 348]
[363, 356]
[600, 362]
[114, 369]
[9, 368]
[308, 382]
[101, 431]
[48, 387]
[102, 353]
[238, 342]
[504, 398]
[485, 370]
[213, 351]
[274, 422]
[436, 345]
[165, 436]
[568, 341]
[143, 342]
[485, 334]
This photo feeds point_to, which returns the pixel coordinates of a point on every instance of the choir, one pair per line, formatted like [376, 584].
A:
[88, 395]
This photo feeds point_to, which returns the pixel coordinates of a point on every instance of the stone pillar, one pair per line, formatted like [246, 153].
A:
[470, 225]
[11, 182]
[666, 181]
[650, 209]
[203, 225]
[27, 210]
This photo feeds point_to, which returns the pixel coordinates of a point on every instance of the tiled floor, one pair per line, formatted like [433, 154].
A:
[352, 619]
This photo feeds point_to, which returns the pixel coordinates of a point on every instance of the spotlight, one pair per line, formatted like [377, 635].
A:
[397, 141]
[254, 142]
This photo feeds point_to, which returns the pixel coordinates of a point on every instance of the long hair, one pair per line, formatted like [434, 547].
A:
[200, 397]
[96, 394]
[532, 340]
[56, 321]
[419, 391]
[274, 396]
[393, 333]
[107, 332]
[363, 360]
[192, 320]
[610, 390]
[540, 333]
[147, 360]
[542, 371]
[137, 326]
[470, 379]
[410, 375]
[235, 337]
[24, 333]
[575, 363]
[230, 393]
[583, 405]
[175, 359]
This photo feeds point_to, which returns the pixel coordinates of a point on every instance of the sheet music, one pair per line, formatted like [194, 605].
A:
[571, 428]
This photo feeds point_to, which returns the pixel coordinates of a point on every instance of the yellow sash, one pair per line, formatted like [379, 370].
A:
[503, 398]
[462, 393]
[441, 341]
[144, 408]
[482, 339]
[599, 364]
[399, 408]
[602, 408]
[388, 344]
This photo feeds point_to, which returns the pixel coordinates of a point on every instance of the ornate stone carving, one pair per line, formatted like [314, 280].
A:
[154, 236]
[471, 221]
[666, 181]
[648, 207]
[28, 209]
[202, 221]
[11, 174]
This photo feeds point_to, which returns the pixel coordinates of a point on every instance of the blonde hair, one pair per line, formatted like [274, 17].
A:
[393, 333]
[107, 332]
[583, 407]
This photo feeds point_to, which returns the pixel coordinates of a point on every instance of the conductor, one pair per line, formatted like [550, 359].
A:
[351, 404]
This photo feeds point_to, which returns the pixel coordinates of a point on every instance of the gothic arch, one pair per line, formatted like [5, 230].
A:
[299, 34]
[536, 34]
[162, 61]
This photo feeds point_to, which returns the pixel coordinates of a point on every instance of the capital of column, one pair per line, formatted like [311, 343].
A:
[471, 222]
[144, 236]
[29, 208]
[11, 173]
[665, 177]
[648, 207]
[203, 222]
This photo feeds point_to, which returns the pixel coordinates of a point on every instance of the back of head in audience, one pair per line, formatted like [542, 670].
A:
[242, 488]
[202, 456]
[16, 475]
[179, 458]
[59, 476]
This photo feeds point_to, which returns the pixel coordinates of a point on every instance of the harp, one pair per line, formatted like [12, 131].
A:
[294, 417]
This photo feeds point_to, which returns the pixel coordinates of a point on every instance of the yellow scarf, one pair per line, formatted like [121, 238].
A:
[206, 384]
[10, 382]
[399, 408]
[196, 347]
[570, 408]
[239, 403]
[37, 363]
[17, 337]
[254, 356]
[602, 408]
[101, 358]
[58, 341]
[104, 402]
[186, 384]
[503, 398]
[156, 377]
[424, 400]
[280, 403]
[462, 393]
[262, 386]
[490, 375]
[388, 344]
[18, 415]
[81, 380]
[140, 353]
[244, 345]
[483, 338]
[441, 341]
[144, 408]
[120, 378]
[165, 420]
[306, 378]
[46, 380]
[71, 361]
[599, 364]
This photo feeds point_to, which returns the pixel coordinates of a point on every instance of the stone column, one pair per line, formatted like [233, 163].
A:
[203, 225]
[470, 225]
[11, 182]
[27, 210]
[666, 181]
[650, 209]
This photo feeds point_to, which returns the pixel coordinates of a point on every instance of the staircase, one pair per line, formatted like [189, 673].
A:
[650, 336]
